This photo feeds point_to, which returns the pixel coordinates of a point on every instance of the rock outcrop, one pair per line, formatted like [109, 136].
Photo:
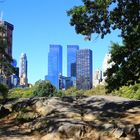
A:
[70, 118]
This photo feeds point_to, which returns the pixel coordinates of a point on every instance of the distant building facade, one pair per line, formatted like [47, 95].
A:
[106, 65]
[71, 60]
[15, 76]
[8, 34]
[54, 64]
[97, 78]
[23, 70]
[65, 82]
[84, 69]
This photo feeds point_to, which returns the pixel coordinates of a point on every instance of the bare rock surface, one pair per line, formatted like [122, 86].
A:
[70, 118]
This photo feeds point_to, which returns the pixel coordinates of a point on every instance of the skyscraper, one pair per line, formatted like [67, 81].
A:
[84, 69]
[8, 34]
[23, 70]
[71, 60]
[97, 79]
[15, 76]
[54, 64]
[106, 63]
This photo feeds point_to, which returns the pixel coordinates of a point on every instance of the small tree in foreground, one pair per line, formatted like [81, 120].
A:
[44, 88]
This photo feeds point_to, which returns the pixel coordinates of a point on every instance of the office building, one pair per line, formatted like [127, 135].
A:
[6, 35]
[71, 60]
[84, 69]
[65, 82]
[23, 70]
[106, 65]
[54, 64]
[15, 76]
[97, 79]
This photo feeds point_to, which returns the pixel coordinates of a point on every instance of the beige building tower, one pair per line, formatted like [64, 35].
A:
[23, 70]
[106, 65]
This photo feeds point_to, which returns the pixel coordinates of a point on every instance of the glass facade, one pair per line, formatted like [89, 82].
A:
[71, 60]
[54, 64]
[9, 36]
[64, 82]
[84, 69]
[9, 33]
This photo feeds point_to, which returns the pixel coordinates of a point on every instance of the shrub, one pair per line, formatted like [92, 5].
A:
[70, 91]
[99, 90]
[20, 93]
[44, 88]
[3, 91]
[59, 93]
[132, 91]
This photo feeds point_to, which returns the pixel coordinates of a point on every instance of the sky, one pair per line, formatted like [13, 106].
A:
[39, 23]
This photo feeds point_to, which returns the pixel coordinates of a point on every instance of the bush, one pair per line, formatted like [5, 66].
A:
[132, 91]
[20, 93]
[40, 89]
[3, 91]
[99, 90]
[43, 88]
[59, 93]
[70, 91]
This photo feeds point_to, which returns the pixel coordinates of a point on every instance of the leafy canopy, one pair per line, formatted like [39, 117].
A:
[44, 88]
[101, 17]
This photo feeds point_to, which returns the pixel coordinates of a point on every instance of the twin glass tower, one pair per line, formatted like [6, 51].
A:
[54, 64]
[79, 65]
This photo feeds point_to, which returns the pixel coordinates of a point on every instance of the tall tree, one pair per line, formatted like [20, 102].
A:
[101, 17]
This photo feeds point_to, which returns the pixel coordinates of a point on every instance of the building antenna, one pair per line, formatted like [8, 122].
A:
[1, 13]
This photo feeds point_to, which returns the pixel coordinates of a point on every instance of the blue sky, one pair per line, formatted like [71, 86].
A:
[38, 23]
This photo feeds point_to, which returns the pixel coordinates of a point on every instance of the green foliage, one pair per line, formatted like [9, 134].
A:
[20, 93]
[44, 88]
[126, 67]
[58, 93]
[70, 91]
[3, 91]
[131, 91]
[40, 89]
[99, 90]
[98, 16]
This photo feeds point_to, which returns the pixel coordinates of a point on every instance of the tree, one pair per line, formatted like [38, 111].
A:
[126, 66]
[44, 88]
[98, 16]
[101, 17]
[6, 68]
[3, 90]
